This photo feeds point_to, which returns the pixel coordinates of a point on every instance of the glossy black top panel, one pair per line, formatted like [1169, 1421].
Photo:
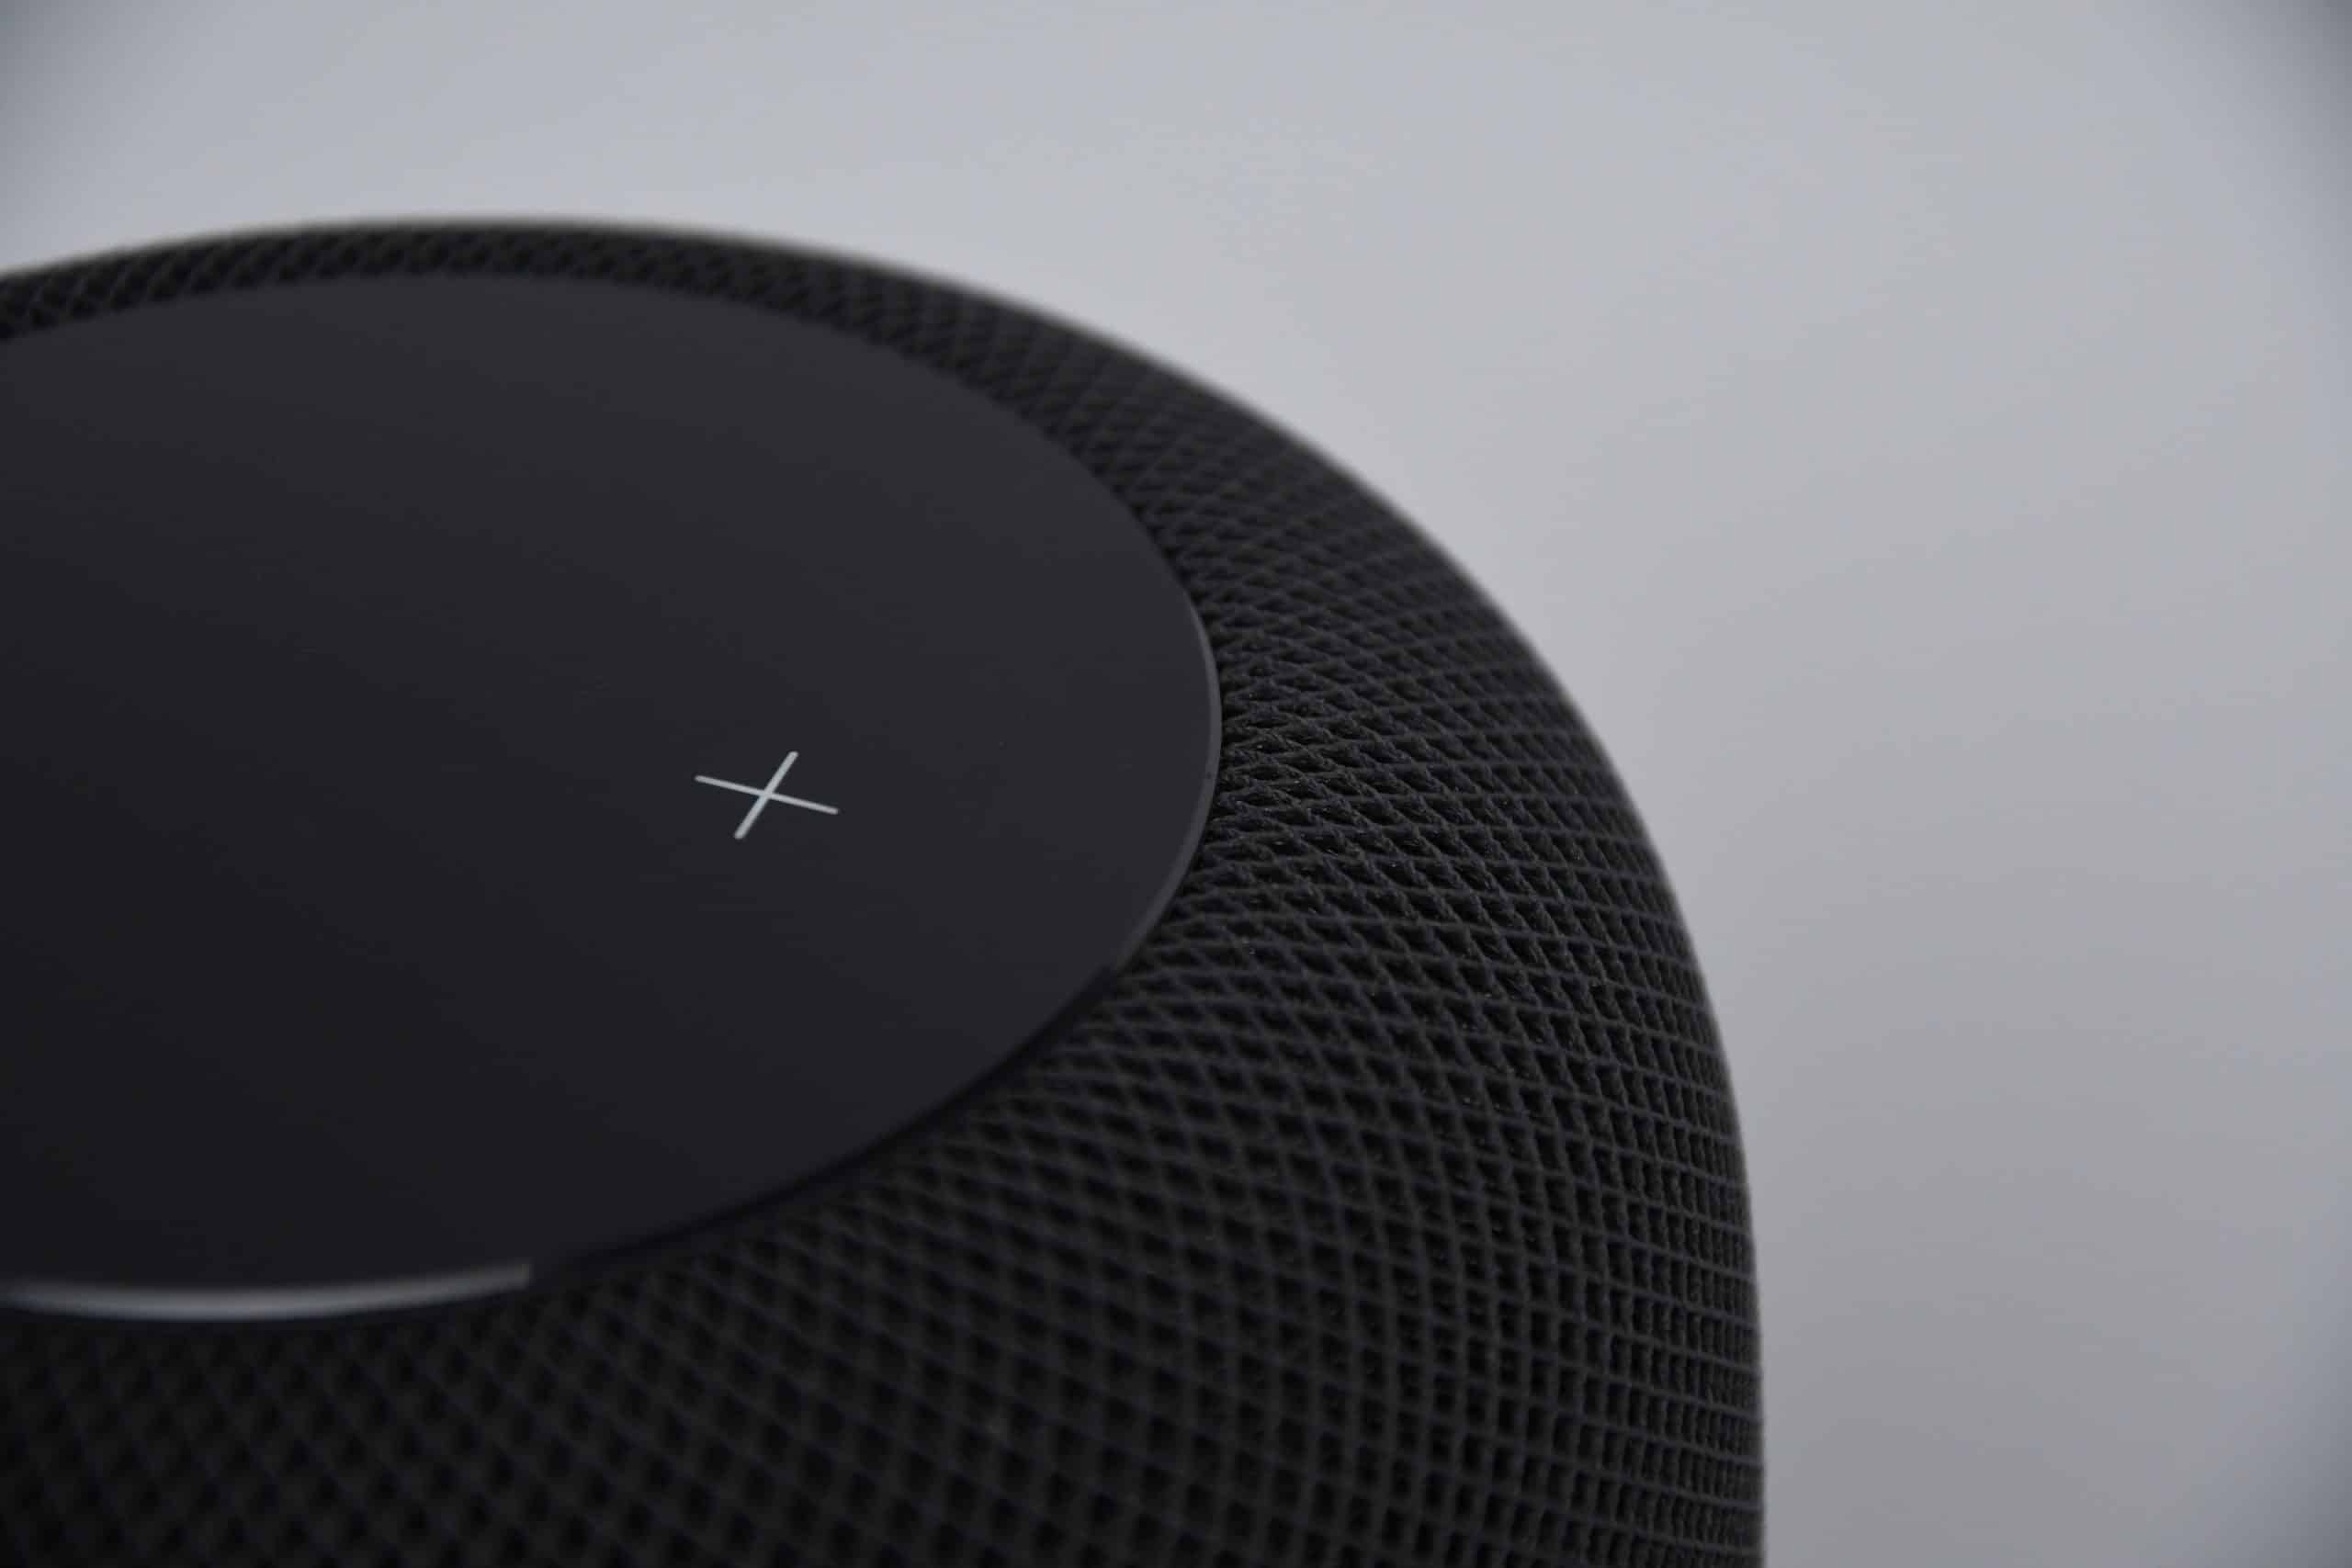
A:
[498, 771]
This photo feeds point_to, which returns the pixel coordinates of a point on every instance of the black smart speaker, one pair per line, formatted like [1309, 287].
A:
[677, 903]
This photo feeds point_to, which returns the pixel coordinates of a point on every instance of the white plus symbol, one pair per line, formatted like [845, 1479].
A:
[764, 795]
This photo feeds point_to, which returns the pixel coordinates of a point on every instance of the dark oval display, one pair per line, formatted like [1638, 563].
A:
[500, 771]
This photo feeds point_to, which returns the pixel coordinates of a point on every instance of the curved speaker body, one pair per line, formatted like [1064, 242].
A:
[691, 904]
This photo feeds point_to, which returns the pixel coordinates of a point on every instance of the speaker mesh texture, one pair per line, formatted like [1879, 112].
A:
[1387, 1209]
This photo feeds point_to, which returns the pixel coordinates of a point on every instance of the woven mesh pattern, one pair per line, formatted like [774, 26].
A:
[1387, 1209]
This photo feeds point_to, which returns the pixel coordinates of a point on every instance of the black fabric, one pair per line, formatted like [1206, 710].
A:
[1387, 1209]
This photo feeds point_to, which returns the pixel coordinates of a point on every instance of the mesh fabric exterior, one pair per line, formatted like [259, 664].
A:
[1388, 1208]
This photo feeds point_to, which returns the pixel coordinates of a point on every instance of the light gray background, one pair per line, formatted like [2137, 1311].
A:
[1919, 433]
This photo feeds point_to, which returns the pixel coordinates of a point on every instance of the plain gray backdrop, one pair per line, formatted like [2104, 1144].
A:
[1919, 435]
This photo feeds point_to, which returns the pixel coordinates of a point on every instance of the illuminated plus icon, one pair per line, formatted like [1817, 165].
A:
[763, 795]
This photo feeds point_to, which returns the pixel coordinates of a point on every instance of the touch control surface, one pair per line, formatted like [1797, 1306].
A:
[499, 772]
